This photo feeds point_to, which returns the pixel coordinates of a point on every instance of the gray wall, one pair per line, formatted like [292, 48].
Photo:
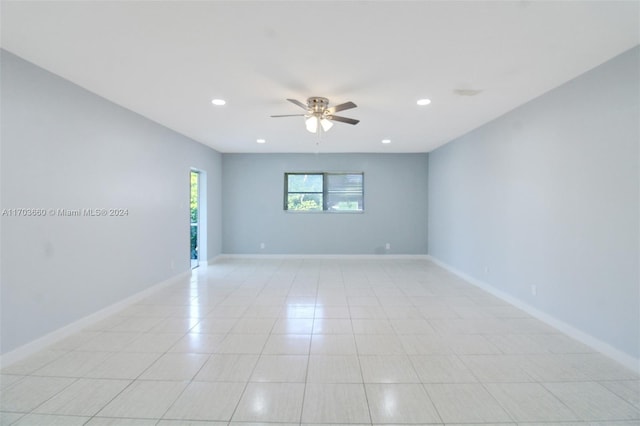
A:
[63, 147]
[395, 187]
[547, 195]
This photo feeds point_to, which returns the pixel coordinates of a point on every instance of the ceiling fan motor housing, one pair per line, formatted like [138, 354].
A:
[317, 104]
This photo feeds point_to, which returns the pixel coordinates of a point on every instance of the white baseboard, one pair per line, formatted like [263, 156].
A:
[579, 335]
[325, 256]
[41, 343]
[213, 260]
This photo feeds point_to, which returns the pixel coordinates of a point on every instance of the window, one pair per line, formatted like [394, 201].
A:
[304, 192]
[333, 192]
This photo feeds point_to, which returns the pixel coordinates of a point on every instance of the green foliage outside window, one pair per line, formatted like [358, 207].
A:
[193, 205]
[194, 197]
[308, 202]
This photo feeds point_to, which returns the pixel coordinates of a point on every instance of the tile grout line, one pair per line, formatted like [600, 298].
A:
[355, 342]
[306, 377]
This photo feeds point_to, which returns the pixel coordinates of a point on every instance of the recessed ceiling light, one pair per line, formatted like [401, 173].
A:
[261, 140]
[423, 102]
[385, 141]
[218, 102]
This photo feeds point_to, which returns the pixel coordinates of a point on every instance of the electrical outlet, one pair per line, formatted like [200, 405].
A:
[486, 270]
[534, 290]
[173, 265]
[387, 246]
[262, 245]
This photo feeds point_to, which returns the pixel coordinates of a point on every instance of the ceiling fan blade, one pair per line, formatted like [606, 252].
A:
[300, 104]
[343, 119]
[341, 107]
[288, 115]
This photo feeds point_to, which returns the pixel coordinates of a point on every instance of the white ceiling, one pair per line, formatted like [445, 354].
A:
[167, 60]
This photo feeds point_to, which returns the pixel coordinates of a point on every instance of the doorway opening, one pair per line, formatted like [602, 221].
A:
[195, 219]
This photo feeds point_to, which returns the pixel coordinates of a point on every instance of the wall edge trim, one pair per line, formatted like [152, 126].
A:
[24, 351]
[604, 348]
[321, 256]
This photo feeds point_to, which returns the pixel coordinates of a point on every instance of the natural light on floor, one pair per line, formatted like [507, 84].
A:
[319, 342]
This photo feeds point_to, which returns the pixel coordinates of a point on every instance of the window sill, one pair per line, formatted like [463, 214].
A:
[322, 212]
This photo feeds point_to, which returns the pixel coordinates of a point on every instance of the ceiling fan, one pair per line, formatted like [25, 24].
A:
[319, 115]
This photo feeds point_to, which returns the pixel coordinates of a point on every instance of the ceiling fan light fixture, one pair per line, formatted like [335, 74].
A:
[218, 102]
[423, 102]
[326, 124]
[311, 123]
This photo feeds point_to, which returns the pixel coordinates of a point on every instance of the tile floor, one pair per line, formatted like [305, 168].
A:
[319, 342]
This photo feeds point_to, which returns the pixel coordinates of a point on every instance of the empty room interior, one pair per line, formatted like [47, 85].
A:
[320, 212]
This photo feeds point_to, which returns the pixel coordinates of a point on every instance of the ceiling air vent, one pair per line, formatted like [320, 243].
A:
[467, 92]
